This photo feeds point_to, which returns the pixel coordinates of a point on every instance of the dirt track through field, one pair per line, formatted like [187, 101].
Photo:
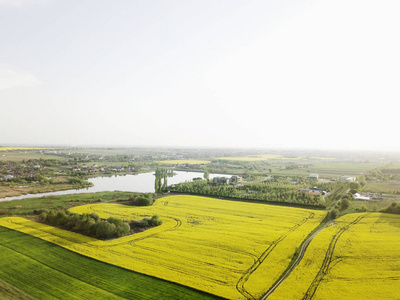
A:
[240, 284]
[327, 261]
[294, 265]
[300, 257]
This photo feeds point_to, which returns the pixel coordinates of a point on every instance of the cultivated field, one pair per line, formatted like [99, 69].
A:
[26, 155]
[385, 187]
[36, 269]
[332, 170]
[181, 162]
[357, 258]
[253, 157]
[232, 249]
[19, 148]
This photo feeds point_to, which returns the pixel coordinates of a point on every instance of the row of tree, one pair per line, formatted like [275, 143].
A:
[394, 208]
[262, 192]
[160, 184]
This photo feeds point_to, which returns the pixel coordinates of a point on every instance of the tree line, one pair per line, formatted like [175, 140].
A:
[161, 183]
[263, 192]
[92, 225]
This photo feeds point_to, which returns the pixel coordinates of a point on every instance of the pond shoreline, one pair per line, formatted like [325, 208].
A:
[141, 183]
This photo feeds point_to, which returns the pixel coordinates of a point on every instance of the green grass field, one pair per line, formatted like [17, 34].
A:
[25, 207]
[385, 187]
[36, 269]
[331, 170]
[252, 157]
[19, 156]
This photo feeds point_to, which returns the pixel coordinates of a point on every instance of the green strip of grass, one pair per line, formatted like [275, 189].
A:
[25, 207]
[47, 271]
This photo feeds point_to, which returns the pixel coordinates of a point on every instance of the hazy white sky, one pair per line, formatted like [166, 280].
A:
[268, 73]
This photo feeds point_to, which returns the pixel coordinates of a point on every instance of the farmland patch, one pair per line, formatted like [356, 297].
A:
[36, 269]
[353, 259]
[232, 249]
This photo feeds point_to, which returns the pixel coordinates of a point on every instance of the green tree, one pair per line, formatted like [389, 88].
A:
[355, 187]
[344, 204]
[361, 180]
[164, 186]
[206, 175]
[333, 214]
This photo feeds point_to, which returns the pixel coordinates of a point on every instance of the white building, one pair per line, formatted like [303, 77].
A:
[348, 178]
[357, 196]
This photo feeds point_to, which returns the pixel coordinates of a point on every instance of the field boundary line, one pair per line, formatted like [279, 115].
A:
[59, 271]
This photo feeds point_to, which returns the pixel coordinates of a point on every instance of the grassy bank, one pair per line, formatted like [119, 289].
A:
[25, 207]
[14, 190]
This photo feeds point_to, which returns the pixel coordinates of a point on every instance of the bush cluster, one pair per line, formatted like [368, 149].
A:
[89, 224]
[392, 209]
[145, 200]
[93, 225]
[146, 222]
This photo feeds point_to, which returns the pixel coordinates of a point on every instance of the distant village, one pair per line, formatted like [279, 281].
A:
[12, 171]
[35, 172]
[95, 168]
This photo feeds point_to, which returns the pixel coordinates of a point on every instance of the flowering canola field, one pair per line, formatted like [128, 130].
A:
[236, 250]
[356, 258]
[19, 148]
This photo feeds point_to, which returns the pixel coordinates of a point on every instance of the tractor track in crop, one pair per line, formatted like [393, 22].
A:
[243, 279]
[299, 257]
[294, 265]
[327, 261]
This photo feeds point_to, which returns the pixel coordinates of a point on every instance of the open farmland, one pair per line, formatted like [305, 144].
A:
[20, 148]
[26, 155]
[184, 161]
[253, 157]
[357, 258]
[36, 269]
[332, 170]
[231, 249]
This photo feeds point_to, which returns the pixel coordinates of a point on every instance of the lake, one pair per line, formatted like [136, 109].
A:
[142, 183]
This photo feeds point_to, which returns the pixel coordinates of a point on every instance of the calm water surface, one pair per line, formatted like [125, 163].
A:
[142, 183]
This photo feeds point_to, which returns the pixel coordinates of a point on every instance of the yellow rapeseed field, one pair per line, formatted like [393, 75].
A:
[19, 148]
[233, 249]
[356, 258]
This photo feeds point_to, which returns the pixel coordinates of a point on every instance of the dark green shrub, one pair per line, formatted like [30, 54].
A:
[145, 201]
[333, 214]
